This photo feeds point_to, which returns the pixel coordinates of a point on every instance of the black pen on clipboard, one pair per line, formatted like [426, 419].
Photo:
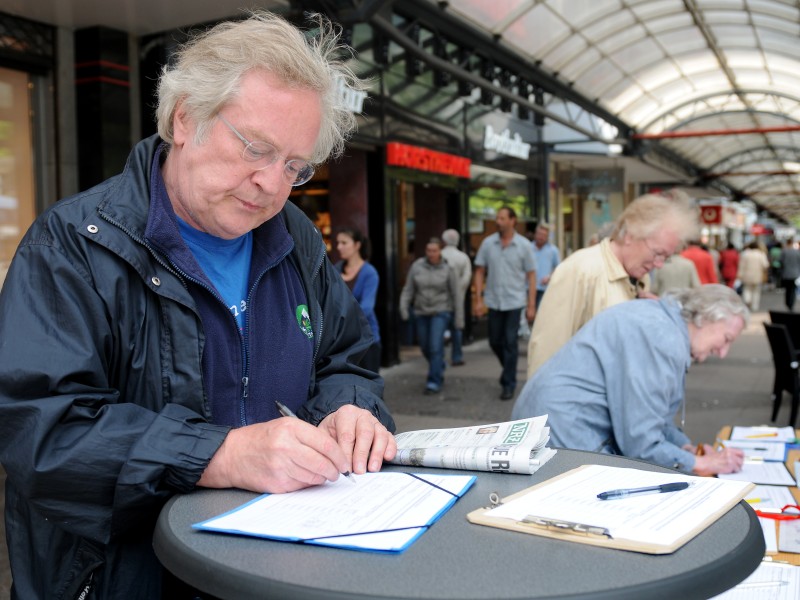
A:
[287, 412]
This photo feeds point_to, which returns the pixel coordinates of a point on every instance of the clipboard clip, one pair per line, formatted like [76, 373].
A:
[495, 500]
[567, 526]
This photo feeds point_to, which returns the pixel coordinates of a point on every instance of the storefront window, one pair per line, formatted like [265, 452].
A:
[490, 190]
[17, 204]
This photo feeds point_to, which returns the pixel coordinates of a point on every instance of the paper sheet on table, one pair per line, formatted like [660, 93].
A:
[648, 520]
[774, 452]
[770, 534]
[789, 536]
[770, 581]
[763, 433]
[768, 473]
[382, 512]
[769, 497]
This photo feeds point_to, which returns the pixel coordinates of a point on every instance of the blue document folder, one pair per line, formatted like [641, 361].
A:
[378, 512]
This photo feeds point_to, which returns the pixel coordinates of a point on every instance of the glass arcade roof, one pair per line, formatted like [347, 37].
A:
[721, 77]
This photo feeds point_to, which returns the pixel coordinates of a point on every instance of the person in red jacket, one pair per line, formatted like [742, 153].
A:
[703, 261]
[729, 264]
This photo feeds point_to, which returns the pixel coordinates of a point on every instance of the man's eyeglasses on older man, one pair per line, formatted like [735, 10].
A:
[263, 154]
[658, 255]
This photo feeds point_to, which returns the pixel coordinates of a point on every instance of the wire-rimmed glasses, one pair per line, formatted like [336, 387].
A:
[263, 154]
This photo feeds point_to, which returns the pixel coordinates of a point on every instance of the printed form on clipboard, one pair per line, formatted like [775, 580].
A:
[567, 507]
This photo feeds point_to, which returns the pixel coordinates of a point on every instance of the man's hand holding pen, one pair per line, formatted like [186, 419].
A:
[288, 454]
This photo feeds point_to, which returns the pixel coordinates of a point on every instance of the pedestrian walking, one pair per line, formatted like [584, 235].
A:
[729, 265]
[505, 284]
[753, 265]
[702, 259]
[431, 289]
[459, 261]
[790, 271]
[547, 258]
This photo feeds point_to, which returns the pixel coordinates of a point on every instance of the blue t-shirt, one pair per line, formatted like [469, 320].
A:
[225, 262]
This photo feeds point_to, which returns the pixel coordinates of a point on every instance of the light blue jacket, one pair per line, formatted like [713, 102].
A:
[617, 385]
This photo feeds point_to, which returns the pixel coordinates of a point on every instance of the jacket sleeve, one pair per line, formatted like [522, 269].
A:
[644, 385]
[407, 295]
[369, 288]
[345, 336]
[86, 457]
[455, 295]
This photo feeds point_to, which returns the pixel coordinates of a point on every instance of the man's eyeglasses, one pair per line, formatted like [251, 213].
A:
[657, 256]
[263, 154]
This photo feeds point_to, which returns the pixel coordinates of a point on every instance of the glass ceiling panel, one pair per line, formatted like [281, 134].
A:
[787, 11]
[733, 36]
[599, 76]
[659, 75]
[775, 25]
[668, 22]
[682, 41]
[487, 13]
[580, 13]
[634, 57]
[623, 39]
[650, 9]
[566, 52]
[537, 30]
[727, 17]
[572, 71]
[697, 62]
[744, 59]
[649, 64]
[613, 22]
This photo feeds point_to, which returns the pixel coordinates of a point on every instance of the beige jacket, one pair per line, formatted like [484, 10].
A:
[588, 281]
[752, 266]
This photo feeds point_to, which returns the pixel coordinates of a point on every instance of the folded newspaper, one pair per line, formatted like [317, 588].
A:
[510, 447]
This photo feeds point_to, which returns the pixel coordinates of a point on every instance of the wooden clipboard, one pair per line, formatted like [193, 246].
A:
[594, 534]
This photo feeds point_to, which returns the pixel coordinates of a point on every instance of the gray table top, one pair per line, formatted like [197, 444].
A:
[455, 559]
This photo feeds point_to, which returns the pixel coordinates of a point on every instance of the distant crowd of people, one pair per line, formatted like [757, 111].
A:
[633, 310]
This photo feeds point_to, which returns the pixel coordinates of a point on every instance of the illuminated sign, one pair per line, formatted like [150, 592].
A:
[503, 143]
[711, 214]
[353, 99]
[423, 159]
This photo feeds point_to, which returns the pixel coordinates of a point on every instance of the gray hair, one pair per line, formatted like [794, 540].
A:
[649, 213]
[451, 237]
[709, 303]
[209, 68]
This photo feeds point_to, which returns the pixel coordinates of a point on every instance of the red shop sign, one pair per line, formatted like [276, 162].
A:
[423, 159]
[711, 215]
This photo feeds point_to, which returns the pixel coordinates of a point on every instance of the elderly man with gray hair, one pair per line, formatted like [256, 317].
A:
[648, 231]
[461, 264]
[176, 305]
[618, 384]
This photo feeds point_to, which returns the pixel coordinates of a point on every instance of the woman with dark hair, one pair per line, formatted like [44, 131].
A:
[362, 279]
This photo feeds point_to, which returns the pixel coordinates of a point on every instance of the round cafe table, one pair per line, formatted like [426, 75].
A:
[455, 559]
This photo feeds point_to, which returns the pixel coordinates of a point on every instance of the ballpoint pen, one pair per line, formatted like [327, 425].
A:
[287, 412]
[653, 489]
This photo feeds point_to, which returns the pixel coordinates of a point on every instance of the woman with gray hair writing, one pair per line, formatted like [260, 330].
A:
[633, 359]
